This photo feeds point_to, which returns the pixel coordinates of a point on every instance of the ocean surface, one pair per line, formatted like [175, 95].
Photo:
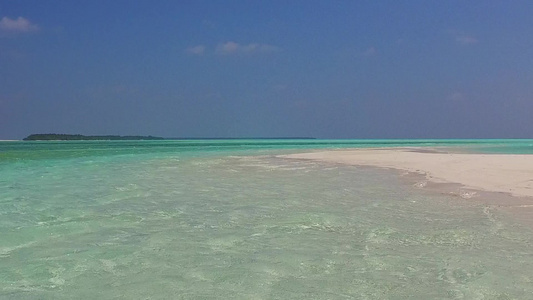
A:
[228, 219]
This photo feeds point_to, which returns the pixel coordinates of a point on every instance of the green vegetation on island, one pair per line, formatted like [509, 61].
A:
[79, 137]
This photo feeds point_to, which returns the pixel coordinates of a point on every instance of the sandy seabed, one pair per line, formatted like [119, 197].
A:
[499, 180]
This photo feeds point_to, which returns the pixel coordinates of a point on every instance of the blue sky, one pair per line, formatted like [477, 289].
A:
[325, 69]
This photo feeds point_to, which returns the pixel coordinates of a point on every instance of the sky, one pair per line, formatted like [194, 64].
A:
[323, 69]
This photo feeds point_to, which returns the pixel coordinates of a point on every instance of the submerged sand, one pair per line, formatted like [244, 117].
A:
[508, 173]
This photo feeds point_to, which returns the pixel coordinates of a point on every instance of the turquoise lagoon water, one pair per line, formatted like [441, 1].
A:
[227, 219]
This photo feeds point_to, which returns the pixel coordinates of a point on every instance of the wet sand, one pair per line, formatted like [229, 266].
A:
[502, 173]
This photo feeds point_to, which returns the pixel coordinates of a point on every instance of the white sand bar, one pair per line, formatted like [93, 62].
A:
[489, 172]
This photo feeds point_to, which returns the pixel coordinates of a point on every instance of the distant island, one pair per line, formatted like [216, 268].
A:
[79, 137]
[241, 138]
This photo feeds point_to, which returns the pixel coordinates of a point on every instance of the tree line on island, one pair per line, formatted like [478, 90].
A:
[80, 137]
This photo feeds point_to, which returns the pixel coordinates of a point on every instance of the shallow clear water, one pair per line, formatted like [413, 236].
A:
[212, 220]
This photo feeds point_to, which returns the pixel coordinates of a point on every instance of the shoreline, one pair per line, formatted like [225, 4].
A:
[511, 174]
